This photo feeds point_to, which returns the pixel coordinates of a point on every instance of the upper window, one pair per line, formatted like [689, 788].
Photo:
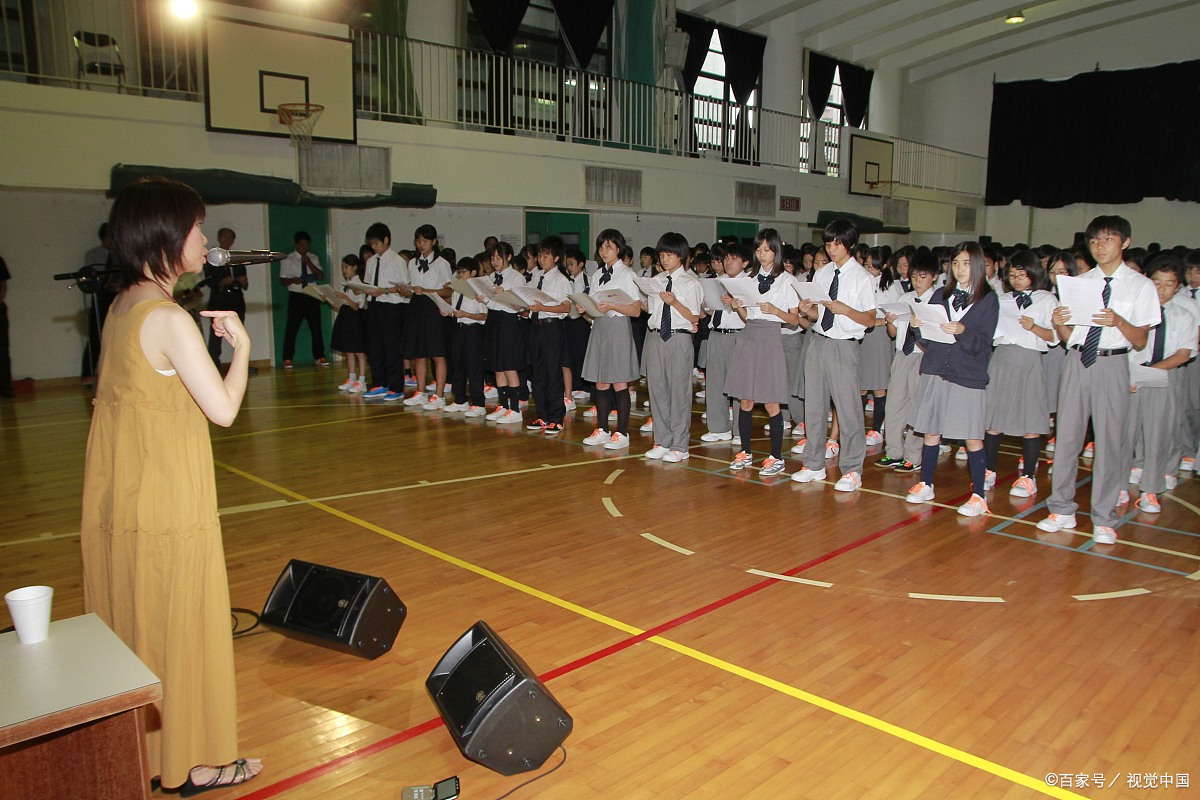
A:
[835, 113]
[714, 120]
[539, 39]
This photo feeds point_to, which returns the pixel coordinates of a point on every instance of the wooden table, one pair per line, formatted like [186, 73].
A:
[69, 721]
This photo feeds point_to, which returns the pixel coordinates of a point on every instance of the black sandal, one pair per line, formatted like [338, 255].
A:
[240, 775]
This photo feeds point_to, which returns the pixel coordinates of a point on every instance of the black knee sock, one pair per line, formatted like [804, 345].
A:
[977, 464]
[929, 457]
[991, 449]
[745, 427]
[622, 411]
[1030, 449]
[514, 400]
[603, 406]
[776, 435]
[880, 413]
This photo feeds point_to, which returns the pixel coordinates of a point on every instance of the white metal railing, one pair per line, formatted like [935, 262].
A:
[927, 167]
[139, 48]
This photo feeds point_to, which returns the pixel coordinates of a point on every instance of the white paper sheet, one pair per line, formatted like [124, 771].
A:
[1082, 296]
[932, 316]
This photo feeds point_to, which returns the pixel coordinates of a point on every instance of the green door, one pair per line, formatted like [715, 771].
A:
[743, 230]
[573, 227]
[282, 224]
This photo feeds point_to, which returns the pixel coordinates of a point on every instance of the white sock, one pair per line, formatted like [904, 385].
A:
[353, 377]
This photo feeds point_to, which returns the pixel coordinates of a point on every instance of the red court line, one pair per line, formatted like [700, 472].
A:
[420, 729]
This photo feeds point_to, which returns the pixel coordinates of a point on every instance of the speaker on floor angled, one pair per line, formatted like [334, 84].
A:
[499, 713]
[333, 608]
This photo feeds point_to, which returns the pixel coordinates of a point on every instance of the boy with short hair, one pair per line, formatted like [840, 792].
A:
[1095, 380]
[385, 273]
[298, 270]
[466, 346]
[722, 341]
[548, 338]
[1189, 411]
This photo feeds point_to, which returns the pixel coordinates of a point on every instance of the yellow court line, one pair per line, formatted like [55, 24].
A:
[616, 473]
[612, 509]
[1112, 595]
[302, 427]
[820, 702]
[1183, 503]
[956, 598]
[790, 578]
[650, 537]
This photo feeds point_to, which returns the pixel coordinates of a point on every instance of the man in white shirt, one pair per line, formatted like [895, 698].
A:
[296, 271]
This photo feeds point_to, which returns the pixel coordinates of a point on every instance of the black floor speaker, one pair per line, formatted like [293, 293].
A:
[333, 608]
[499, 713]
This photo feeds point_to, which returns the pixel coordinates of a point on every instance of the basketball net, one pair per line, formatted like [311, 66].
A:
[300, 119]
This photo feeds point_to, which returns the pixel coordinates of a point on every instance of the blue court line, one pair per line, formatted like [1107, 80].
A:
[1088, 552]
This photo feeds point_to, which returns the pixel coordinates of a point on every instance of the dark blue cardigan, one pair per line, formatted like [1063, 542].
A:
[966, 361]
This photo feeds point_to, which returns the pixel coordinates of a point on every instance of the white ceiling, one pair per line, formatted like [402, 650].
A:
[926, 39]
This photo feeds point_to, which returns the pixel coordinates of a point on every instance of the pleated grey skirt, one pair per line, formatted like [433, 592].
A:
[758, 370]
[1052, 365]
[1016, 392]
[611, 355]
[954, 411]
[875, 359]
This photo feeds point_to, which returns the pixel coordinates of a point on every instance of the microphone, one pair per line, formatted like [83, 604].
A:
[220, 257]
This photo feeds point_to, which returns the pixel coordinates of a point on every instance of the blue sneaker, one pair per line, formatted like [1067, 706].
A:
[376, 391]
[392, 397]
[409, 381]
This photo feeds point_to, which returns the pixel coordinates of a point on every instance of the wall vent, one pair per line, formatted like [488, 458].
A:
[754, 200]
[965, 219]
[610, 186]
[351, 168]
[895, 212]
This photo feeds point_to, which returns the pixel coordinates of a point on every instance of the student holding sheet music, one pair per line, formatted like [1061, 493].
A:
[349, 329]
[504, 348]
[1016, 396]
[579, 329]
[548, 307]
[466, 346]
[611, 361]
[951, 397]
[385, 274]
[725, 325]
[758, 371]
[1095, 379]
[831, 364]
[876, 353]
[1151, 435]
[425, 333]
[668, 356]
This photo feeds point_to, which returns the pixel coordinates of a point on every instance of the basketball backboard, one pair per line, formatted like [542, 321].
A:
[254, 61]
[870, 165]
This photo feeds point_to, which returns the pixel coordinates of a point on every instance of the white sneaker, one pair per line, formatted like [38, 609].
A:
[736, 441]
[475, 411]
[798, 430]
[849, 482]
[920, 493]
[599, 436]
[429, 387]
[675, 456]
[716, 437]
[943, 449]
[434, 403]
[454, 408]
[1135, 476]
[1188, 464]
[358, 388]
[617, 441]
[807, 475]
[974, 507]
[874, 438]
[697, 375]
[633, 397]
[510, 417]
[590, 413]
[569, 403]
[832, 448]
[490, 392]
[579, 394]
[418, 399]
[647, 426]
[700, 395]
[656, 452]
[961, 455]
[989, 481]
[347, 386]
[1171, 482]
[1057, 522]
[798, 447]
[1102, 534]
[495, 415]
[646, 403]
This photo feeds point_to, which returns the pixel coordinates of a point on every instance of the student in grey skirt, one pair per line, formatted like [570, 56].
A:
[1016, 396]
[795, 343]
[1061, 263]
[611, 361]
[758, 372]
[876, 353]
[954, 377]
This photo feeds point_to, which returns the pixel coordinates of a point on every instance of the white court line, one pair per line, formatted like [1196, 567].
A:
[663, 542]
[790, 578]
[1112, 595]
[612, 509]
[253, 507]
[956, 598]
[616, 473]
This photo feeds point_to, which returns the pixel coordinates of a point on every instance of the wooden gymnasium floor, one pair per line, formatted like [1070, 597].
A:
[711, 633]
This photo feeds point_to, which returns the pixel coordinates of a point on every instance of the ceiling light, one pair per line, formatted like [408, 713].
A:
[1015, 18]
[184, 9]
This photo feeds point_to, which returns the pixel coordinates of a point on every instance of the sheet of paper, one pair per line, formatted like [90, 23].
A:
[713, 292]
[1009, 323]
[360, 286]
[483, 287]
[510, 299]
[650, 286]
[932, 316]
[531, 294]
[585, 300]
[1082, 296]
[614, 297]
[901, 310]
[442, 305]
[811, 291]
[1147, 377]
[744, 290]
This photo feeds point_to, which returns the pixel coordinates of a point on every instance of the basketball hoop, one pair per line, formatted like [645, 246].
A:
[300, 118]
[885, 188]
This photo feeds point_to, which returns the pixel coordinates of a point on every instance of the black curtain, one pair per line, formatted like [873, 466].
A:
[500, 21]
[856, 92]
[743, 60]
[1117, 138]
[582, 24]
[699, 33]
[820, 81]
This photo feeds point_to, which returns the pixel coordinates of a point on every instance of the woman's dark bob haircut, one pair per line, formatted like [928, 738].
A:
[149, 223]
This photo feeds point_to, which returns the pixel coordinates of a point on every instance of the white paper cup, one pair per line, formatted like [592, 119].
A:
[30, 610]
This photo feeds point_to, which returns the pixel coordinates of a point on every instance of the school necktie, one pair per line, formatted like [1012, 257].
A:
[458, 305]
[423, 265]
[1193, 291]
[587, 285]
[1091, 344]
[534, 315]
[1024, 301]
[910, 336]
[376, 281]
[827, 315]
[497, 280]
[606, 277]
[1160, 341]
[961, 299]
[716, 320]
[906, 284]
[664, 325]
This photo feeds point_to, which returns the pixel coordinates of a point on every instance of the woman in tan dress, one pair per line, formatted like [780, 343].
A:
[153, 564]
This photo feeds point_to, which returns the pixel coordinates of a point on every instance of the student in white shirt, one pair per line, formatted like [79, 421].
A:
[296, 271]
[426, 329]
[466, 347]
[386, 273]
[548, 338]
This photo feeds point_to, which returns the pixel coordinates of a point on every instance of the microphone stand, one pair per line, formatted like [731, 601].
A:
[89, 279]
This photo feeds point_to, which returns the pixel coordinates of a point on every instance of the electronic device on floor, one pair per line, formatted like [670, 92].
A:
[442, 790]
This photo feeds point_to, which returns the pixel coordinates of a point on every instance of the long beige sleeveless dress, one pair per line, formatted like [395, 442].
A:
[153, 563]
